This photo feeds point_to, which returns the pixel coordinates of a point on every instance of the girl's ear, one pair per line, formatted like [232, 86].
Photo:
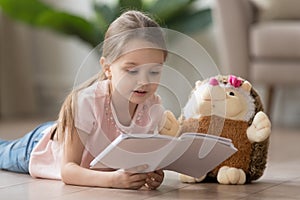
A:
[105, 67]
[103, 63]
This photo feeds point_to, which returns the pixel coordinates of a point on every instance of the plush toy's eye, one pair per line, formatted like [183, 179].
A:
[231, 94]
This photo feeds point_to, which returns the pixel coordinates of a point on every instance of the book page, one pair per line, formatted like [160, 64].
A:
[191, 154]
[192, 162]
[134, 150]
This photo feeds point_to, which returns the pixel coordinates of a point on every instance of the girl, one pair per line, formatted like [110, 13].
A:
[122, 99]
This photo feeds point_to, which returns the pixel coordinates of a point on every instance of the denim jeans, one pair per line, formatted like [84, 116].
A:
[15, 154]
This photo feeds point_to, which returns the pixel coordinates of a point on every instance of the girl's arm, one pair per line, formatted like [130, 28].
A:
[72, 173]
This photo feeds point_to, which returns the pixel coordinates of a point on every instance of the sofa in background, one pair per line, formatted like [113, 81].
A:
[260, 40]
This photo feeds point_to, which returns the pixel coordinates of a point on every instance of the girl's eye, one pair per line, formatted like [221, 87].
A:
[231, 94]
[132, 71]
[154, 72]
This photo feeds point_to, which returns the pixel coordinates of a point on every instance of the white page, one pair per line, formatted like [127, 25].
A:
[193, 164]
[127, 152]
[184, 154]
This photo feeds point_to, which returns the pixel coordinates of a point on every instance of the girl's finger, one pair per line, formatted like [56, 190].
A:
[138, 184]
[138, 177]
[137, 169]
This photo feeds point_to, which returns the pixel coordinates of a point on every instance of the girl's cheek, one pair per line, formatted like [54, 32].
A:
[125, 84]
[155, 86]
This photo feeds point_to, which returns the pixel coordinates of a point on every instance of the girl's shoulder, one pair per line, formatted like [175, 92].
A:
[96, 92]
[97, 89]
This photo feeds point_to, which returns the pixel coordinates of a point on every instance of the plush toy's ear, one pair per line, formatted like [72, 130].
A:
[246, 86]
[198, 83]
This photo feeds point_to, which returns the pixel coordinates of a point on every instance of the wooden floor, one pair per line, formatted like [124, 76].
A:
[281, 179]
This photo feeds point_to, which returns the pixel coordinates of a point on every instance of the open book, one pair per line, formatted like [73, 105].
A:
[193, 154]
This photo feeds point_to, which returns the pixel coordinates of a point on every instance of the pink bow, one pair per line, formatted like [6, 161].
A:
[234, 81]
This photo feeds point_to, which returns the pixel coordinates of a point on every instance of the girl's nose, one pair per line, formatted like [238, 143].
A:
[143, 79]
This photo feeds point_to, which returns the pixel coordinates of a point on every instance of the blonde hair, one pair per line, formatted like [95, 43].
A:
[112, 48]
[131, 25]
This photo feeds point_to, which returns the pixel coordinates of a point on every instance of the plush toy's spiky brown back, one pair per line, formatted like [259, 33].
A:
[259, 149]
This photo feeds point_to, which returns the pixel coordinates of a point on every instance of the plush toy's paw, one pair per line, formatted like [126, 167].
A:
[188, 179]
[231, 176]
[260, 128]
[169, 124]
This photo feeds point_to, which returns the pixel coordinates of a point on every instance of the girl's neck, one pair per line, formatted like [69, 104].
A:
[124, 109]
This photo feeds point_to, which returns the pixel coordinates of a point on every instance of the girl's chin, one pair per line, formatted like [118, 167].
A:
[138, 98]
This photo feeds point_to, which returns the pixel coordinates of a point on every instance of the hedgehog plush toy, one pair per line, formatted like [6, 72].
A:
[228, 106]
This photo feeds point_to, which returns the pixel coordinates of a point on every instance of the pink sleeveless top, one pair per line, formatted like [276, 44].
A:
[95, 116]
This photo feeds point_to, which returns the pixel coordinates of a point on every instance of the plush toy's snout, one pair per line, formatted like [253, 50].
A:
[213, 81]
[213, 92]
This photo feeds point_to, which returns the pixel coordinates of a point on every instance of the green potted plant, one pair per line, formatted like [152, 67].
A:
[180, 15]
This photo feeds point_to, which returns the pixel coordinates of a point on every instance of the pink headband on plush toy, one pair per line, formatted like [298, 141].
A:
[234, 81]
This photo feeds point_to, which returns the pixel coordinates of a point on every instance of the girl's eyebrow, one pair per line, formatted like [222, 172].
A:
[134, 64]
[131, 63]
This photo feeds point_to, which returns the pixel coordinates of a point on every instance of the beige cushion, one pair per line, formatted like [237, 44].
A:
[275, 39]
[278, 72]
[278, 9]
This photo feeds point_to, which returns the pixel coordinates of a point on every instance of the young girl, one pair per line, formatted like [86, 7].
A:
[122, 99]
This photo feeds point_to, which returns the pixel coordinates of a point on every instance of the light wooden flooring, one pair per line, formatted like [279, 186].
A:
[281, 179]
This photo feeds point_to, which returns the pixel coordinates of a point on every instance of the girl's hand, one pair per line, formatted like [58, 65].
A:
[127, 180]
[154, 179]
[169, 124]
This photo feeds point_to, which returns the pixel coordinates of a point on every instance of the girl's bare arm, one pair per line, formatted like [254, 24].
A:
[72, 173]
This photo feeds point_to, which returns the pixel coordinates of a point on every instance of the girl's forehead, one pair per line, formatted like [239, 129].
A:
[142, 56]
[139, 51]
[137, 44]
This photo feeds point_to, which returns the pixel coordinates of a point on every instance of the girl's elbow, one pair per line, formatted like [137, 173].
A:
[66, 175]
[65, 178]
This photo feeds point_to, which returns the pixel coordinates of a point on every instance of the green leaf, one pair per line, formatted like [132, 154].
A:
[26, 11]
[166, 9]
[70, 24]
[179, 15]
[191, 22]
[130, 4]
[105, 15]
[38, 14]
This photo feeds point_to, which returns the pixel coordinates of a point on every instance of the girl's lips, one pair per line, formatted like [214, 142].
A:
[140, 92]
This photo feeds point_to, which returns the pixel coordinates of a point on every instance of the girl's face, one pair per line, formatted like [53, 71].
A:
[136, 74]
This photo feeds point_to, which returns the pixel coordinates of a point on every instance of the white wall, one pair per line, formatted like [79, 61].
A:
[16, 92]
[57, 59]
[38, 66]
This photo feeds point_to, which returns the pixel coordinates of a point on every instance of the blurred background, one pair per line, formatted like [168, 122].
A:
[44, 42]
